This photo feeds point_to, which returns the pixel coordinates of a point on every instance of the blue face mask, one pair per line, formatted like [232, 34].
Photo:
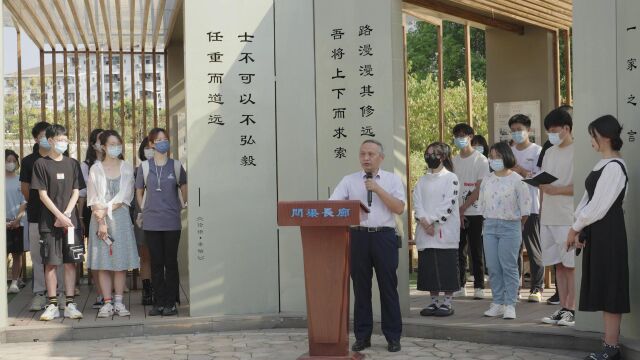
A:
[114, 151]
[461, 142]
[496, 164]
[61, 147]
[479, 149]
[162, 147]
[554, 138]
[518, 137]
[44, 143]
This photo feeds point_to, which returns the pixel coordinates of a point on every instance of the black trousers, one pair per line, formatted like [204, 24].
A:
[471, 238]
[377, 251]
[163, 248]
[531, 240]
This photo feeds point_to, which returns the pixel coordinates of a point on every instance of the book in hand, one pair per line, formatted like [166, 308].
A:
[543, 178]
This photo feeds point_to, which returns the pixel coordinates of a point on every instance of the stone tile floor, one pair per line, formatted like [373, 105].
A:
[281, 344]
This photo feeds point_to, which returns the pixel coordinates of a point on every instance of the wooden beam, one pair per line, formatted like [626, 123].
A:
[20, 111]
[92, 23]
[426, 18]
[556, 68]
[76, 19]
[122, 120]
[99, 87]
[440, 85]
[145, 21]
[467, 67]
[469, 15]
[545, 8]
[159, 16]
[167, 117]
[134, 134]
[155, 92]
[78, 118]
[105, 21]
[119, 23]
[43, 94]
[172, 22]
[52, 23]
[18, 16]
[36, 19]
[66, 90]
[55, 87]
[567, 66]
[111, 90]
[529, 11]
[144, 95]
[87, 57]
[62, 15]
[407, 151]
[132, 23]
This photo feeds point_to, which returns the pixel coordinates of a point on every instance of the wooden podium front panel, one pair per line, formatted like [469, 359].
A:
[326, 266]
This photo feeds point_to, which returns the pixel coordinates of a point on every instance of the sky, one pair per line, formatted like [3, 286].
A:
[30, 52]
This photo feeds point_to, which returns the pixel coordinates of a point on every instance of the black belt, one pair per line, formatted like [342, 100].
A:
[372, 229]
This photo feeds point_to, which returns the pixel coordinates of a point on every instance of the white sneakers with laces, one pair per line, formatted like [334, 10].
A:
[478, 294]
[13, 289]
[106, 310]
[509, 312]
[494, 310]
[71, 311]
[121, 310]
[50, 312]
[567, 319]
[554, 318]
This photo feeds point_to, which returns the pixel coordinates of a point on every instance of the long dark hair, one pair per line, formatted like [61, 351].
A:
[143, 144]
[103, 141]
[480, 140]
[443, 151]
[92, 156]
[608, 127]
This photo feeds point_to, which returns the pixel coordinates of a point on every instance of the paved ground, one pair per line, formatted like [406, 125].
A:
[265, 344]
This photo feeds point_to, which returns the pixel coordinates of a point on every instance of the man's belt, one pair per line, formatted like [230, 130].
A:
[372, 229]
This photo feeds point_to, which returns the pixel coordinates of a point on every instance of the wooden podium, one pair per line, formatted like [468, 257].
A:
[324, 226]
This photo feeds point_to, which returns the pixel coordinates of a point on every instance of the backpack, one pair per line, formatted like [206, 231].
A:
[177, 166]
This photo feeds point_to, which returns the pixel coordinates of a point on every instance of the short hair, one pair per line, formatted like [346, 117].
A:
[466, 129]
[38, 128]
[153, 134]
[502, 148]
[371, 141]
[143, 144]
[608, 127]
[55, 130]
[567, 108]
[558, 117]
[520, 119]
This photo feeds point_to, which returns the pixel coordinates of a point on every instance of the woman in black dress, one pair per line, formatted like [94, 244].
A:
[600, 231]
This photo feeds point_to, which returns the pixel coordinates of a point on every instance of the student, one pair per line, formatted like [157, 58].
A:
[480, 144]
[15, 206]
[556, 215]
[505, 204]
[435, 200]
[94, 152]
[470, 167]
[145, 152]
[159, 183]
[112, 248]
[600, 223]
[526, 154]
[57, 180]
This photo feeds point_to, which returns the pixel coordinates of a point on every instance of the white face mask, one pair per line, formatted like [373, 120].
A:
[10, 166]
[148, 153]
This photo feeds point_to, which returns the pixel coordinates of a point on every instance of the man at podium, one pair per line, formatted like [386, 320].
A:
[374, 244]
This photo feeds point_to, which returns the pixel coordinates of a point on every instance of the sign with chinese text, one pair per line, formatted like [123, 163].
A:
[628, 43]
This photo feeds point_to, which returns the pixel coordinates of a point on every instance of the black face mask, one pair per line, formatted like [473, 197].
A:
[432, 162]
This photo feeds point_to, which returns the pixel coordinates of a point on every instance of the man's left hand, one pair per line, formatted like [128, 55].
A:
[372, 185]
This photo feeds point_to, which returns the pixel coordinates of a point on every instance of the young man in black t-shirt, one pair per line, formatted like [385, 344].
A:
[56, 178]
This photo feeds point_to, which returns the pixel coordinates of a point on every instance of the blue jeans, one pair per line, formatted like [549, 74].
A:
[502, 240]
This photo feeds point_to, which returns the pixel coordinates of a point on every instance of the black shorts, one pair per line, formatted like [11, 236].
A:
[55, 249]
[15, 240]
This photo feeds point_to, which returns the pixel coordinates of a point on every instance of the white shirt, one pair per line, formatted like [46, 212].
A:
[97, 187]
[470, 170]
[351, 187]
[504, 198]
[528, 160]
[610, 184]
[558, 209]
[435, 198]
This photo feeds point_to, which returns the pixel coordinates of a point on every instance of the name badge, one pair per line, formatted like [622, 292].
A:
[60, 176]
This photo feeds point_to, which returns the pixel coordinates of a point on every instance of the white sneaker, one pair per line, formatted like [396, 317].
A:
[509, 312]
[554, 318]
[13, 289]
[460, 293]
[38, 303]
[71, 311]
[121, 310]
[51, 312]
[494, 310]
[106, 310]
[478, 294]
[567, 319]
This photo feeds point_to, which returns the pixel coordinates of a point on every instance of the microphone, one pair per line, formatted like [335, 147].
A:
[369, 175]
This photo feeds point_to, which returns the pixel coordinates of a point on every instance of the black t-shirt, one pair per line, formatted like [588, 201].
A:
[26, 171]
[59, 179]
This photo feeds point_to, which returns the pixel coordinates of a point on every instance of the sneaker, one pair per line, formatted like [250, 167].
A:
[71, 311]
[494, 310]
[478, 294]
[51, 312]
[444, 310]
[567, 319]
[38, 303]
[460, 293]
[13, 289]
[535, 296]
[21, 283]
[106, 311]
[554, 318]
[429, 310]
[156, 310]
[554, 300]
[98, 304]
[608, 352]
[121, 310]
[169, 311]
[509, 312]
